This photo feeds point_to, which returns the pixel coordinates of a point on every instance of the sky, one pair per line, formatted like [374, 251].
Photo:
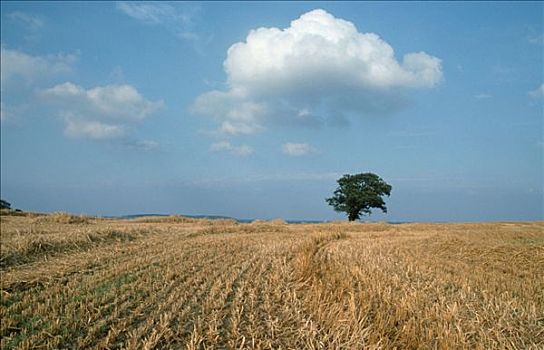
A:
[255, 109]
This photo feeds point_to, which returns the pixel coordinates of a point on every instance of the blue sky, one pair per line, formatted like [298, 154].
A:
[253, 110]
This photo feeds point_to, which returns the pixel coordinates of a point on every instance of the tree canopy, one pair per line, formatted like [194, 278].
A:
[357, 194]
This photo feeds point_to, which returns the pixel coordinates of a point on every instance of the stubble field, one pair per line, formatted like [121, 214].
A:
[176, 283]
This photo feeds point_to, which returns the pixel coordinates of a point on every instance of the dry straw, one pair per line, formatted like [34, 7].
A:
[196, 284]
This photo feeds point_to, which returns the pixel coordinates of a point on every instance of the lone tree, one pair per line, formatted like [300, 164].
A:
[356, 194]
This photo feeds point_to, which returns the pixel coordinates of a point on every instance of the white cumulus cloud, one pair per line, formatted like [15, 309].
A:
[225, 146]
[538, 92]
[100, 112]
[297, 149]
[20, 65]
[320, 67]
[110, 101]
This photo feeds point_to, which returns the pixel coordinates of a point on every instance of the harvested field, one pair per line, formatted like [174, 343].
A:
[80, 282]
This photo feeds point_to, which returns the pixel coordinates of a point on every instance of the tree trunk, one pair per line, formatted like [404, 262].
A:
[353, 216]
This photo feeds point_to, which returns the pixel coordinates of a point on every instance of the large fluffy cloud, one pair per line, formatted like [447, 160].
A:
[100, 112]
[320, 67]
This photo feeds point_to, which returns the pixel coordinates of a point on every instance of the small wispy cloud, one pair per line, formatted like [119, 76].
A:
[77, 127]
[30, 20]
[483, 96]
[536, 39]
[142, 145]
[152, 13]
[504, 73]
[538, 92]
[225, 146]
[33, 24]
[297, 149]
[178, 20]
